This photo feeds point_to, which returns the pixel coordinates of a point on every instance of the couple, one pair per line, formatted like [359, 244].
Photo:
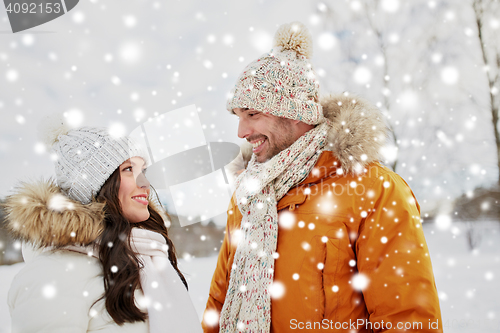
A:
[319, 236]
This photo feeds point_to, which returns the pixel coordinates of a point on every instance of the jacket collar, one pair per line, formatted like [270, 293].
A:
[357, 134]
[326, 166]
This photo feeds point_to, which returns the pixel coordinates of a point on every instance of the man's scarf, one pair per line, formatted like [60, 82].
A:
[247, 307]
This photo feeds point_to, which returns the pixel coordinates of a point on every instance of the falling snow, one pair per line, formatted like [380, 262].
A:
[360, 282]
[49, 291]
[444, 134]
[277, 290]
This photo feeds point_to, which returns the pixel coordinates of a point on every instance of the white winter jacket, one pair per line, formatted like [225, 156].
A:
[58, 291]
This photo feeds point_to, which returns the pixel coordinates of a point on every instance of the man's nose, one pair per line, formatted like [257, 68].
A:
[244, 129]
[142, 181]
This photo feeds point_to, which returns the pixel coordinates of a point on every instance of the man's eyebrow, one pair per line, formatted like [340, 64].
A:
[242, 110]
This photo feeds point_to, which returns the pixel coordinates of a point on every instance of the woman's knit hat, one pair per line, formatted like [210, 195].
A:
[86, 156]
[282, 82]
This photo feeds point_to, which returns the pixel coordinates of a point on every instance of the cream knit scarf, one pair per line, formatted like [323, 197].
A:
[170, 308]
[247, 307]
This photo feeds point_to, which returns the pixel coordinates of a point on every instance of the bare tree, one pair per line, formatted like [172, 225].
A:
[490, 50]
[369, 8]
[395, 60]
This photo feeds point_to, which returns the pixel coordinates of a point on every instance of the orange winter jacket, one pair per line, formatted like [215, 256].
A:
[352, 256]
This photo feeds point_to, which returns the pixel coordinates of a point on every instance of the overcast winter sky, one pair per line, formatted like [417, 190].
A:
[117, 63]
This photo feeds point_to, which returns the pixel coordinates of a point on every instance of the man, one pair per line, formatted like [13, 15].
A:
[320, 236]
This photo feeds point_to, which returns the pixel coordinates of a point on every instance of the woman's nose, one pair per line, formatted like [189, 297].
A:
[142, 181]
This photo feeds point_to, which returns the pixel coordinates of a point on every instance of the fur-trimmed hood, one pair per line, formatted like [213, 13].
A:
[42, 215]
[358, 131]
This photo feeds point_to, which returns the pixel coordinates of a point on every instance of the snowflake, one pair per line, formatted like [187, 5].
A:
[49, 291]
[211, 317]
[360, 281]
[277, 290]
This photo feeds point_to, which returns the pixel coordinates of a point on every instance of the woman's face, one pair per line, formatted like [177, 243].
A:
[134, 190]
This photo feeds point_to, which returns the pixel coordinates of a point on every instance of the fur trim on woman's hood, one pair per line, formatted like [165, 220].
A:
[42, 215]
[358, 131]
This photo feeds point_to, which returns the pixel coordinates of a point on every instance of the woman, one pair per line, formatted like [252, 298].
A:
[103, 259]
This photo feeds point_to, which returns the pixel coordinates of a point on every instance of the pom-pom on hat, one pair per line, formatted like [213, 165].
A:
[282, 82]
[86, 156]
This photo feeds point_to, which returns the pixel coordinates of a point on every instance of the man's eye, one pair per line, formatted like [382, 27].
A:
[252, 114]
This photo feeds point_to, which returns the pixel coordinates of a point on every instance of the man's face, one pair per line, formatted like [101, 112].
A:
[268, 134]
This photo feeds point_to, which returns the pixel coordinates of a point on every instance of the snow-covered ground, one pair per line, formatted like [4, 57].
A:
[467, 281]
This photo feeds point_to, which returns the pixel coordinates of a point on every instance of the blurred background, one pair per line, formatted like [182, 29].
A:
[432, 67]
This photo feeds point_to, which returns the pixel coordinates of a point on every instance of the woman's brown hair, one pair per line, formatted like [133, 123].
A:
[115, 250]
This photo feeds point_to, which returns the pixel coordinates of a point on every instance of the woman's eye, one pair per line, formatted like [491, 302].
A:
[144, 171]
[128, 169]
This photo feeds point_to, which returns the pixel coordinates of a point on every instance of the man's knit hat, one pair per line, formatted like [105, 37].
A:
[86, 156]
[282, 82]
